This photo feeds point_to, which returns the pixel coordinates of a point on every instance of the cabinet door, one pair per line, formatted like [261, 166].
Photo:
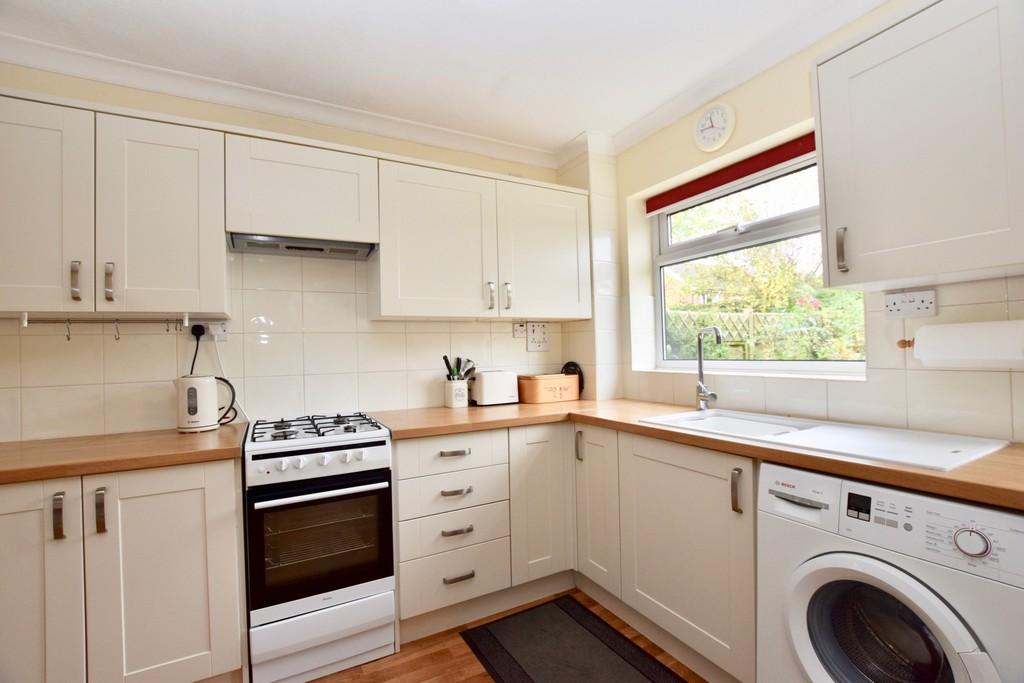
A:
[541, 500]
[543, 252]
[42, 597]
[162, 573]
[687, 556]
[922, 147]
[160, 244]
[597, 506]
[46, 207]
[438, 243]
[275, 188]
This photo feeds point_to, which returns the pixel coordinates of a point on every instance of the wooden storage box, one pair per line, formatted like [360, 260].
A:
[548, 388]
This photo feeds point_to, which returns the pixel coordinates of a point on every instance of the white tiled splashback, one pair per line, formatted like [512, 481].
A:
[899, 391]
[299, 342]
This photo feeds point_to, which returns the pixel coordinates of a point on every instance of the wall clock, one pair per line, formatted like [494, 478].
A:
[714, 127]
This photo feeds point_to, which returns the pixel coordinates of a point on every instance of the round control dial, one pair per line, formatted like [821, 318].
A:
[972, 542]
[282, 464]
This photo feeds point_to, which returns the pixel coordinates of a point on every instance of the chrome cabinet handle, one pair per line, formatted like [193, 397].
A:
[579, 445]
[452, 454]
[457, 532]
[734, 485]
[841, 251]
[508, 296]
[76, 290]
[58, 515]
[108, 281]
[490, 288]
[461, 577]
[101, 510]
[457, 492]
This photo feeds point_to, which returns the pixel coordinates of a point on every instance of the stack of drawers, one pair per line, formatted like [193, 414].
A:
[453, 529]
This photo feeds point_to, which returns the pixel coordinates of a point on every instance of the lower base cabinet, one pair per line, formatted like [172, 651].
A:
[437, 581]
[596, 453]
[688, 546]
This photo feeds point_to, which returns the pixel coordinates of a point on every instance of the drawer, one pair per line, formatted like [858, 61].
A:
[451, 530]
[424, 496]
[450, 452]
[471, 572]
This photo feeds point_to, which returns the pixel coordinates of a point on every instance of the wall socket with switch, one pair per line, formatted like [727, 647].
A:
[917, 304]
[213, 331]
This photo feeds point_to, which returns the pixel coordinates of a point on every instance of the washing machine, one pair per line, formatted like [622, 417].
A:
[860, 583]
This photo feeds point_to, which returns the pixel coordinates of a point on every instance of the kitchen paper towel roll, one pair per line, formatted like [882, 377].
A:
[989, 345]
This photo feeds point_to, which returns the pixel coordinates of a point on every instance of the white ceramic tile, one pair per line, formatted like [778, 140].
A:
[55, 361]
[234, 266]
[881, 399]
[608, 346]
[1015, 310]
[471, 326]
[738, 392]
[273, 397]
[975, 403]
[207, 363]
[139, 406]
[579, 347]
[362, 275]
[423, 326]
[9, 327]
[235, 322]
[10, 414]
[425, 389]
[474, 345]
[1017, 392]
[579, 325]
[424, 351]
[589, 392]
[796, 397]
[10, 361]
[505, 327]
[977, 292]
[381, 352]
[508, 351]
[327, 394]
[263, 271]
[970, 313]
[684, 388]
[271, 355]
[651, 386]
[328, 275]
[641, 313]
[140, 358]
[1015, 287]
[881, 335]
[609, 313]
[609, 382]
[382, 391]
[607, 279]
[272, 311]
[54, 412]
[239, 384]
[363, 322]
[328, 312]
[329, 353]
[553, 356]
[874, 301]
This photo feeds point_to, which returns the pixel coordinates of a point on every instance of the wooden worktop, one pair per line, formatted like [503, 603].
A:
[80, 455]
[997, 479]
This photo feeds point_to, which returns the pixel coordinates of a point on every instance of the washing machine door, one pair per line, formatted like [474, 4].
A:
[857, 619]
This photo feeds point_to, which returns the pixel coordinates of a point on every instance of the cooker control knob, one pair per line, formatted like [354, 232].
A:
[324, 459]
[358, 455]
[300, 462]
[972, 543]
[282, 464]
[345, 458]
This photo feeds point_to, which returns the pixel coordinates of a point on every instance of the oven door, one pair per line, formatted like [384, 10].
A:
[312, 543]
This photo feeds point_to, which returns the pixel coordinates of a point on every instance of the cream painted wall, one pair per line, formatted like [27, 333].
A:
[47, 83]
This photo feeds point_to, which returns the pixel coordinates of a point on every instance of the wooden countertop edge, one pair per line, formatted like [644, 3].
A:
[115, 464]
[481, 426]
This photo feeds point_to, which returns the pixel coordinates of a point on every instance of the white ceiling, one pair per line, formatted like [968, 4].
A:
[526, 75]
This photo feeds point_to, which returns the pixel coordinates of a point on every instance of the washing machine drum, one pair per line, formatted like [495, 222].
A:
[856, 619]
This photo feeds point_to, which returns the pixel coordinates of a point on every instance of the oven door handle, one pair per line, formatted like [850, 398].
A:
[336, 493]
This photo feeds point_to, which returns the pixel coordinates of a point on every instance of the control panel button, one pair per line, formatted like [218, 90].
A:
[345, 458]
[324, 459]
[358, 455]
[282, 464]
[972, 543]
[300, 462]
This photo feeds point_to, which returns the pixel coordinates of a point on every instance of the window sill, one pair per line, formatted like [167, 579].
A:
[859, 375]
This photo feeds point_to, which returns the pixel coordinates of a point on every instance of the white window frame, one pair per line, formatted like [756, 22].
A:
[794, 224]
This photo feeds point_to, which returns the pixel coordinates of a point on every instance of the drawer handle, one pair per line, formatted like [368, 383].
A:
[101, 510]
[579, 445]
[452, 454]
[490, 294]
[457, 492]
[456, 532]
[734, 486]
[449, 580]
[58, 515]
[841, 251]
[508, 296]
[108, 281]
[76, 290]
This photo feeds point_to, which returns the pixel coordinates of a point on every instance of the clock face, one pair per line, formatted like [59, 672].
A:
[714, 127]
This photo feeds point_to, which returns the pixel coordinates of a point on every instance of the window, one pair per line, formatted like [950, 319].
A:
[746, 257]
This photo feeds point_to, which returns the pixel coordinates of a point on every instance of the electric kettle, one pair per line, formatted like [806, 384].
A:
[198, 407]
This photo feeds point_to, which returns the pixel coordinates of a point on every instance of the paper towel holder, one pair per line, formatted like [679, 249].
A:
[905, 344]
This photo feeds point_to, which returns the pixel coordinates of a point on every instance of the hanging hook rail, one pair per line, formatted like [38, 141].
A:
[180, 323]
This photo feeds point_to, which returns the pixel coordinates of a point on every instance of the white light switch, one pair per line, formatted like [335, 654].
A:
[537, 336]
[518, 330]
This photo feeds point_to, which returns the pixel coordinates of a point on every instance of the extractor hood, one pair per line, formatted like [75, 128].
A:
[298, 246]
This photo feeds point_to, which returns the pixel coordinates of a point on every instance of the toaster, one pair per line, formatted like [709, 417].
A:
[490, 387]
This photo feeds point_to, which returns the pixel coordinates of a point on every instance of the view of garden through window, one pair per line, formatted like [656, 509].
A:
[769, 299]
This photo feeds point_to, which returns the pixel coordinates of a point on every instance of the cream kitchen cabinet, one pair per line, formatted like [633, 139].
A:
[455, 245]
[162, 573]
[541, 500]
[160, 243]
[286, 190]
[597, 506]
[543, 252]
[42, 593]
[46, 207]
[688, 546]
[921, 148]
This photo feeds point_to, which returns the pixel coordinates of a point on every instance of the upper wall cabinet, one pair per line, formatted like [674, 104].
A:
[455, 245]
[543, 252]
[160, 242]
[276, 188]
[921, 143]
[46, 207]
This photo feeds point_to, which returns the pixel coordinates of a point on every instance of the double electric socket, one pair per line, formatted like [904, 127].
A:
[919, 304]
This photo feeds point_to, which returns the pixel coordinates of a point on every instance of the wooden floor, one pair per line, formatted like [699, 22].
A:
[446, 657]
